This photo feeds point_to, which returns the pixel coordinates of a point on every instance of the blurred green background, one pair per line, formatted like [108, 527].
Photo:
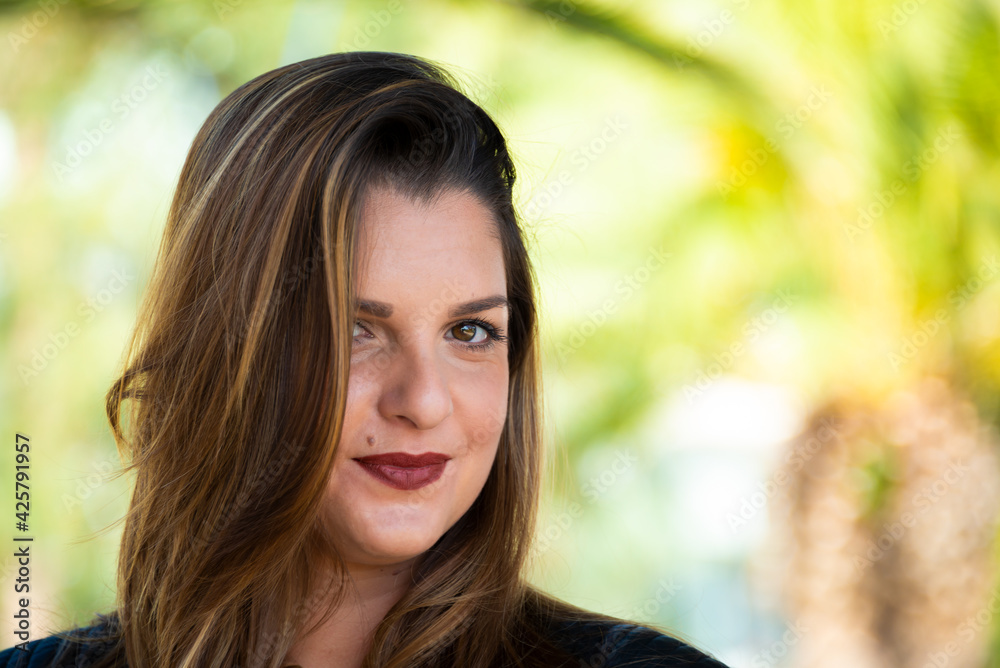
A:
[767, 237]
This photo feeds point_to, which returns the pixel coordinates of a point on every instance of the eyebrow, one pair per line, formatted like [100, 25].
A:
[382, 310]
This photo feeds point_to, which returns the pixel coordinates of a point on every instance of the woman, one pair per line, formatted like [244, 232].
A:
[356, 192]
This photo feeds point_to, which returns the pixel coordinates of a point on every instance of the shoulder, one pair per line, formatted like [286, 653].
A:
[613, 644]
[81, 646]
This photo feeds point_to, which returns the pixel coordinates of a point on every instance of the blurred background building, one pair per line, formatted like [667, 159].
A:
[767, 236]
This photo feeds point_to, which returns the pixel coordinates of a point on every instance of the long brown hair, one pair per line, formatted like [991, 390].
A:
[233, 390]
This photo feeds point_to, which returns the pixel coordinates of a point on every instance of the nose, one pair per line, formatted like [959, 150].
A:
[416, 390]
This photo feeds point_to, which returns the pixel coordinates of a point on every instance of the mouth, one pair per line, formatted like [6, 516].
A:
[404, 471]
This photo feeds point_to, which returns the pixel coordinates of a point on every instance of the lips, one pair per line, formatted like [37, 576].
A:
[404, 471]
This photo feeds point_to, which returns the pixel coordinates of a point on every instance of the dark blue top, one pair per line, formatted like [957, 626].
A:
[604, 644]
[616, 645]
[58, 652]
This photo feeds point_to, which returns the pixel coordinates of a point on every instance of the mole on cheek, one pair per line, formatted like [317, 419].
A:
[371, 440]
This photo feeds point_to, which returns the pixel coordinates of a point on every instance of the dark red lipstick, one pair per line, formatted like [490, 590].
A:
[405, 471]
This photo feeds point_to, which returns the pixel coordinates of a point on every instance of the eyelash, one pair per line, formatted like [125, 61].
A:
[494, 333]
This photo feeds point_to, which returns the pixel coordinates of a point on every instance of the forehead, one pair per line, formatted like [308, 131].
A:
[414, 249]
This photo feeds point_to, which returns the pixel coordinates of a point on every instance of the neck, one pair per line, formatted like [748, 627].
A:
[345, 638]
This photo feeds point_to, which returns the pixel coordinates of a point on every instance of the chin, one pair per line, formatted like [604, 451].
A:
[399, 534]
[393, 548]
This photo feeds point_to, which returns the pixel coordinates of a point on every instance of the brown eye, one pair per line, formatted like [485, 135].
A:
[475, 334]
[464, 332]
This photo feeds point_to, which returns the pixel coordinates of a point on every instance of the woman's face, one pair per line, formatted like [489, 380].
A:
[428, 377]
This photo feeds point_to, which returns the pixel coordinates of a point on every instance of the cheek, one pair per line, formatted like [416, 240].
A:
[482, 403]
[362, 393]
